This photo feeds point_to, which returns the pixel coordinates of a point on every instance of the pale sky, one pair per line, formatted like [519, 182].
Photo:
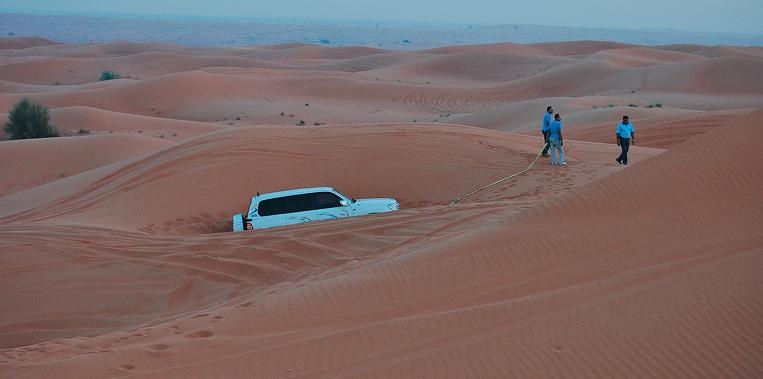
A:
[734, 16]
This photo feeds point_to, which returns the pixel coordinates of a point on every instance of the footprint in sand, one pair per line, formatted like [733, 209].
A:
[199, 334]
[127, 367]
[160, 350]
[159, 347]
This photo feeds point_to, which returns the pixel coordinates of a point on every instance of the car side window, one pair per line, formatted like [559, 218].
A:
[299, 203]
[325, 200]
[272, 207]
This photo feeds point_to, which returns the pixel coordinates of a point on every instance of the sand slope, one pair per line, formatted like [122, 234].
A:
[30, 163]
[126, 266]
[584, 284]
[239, 162]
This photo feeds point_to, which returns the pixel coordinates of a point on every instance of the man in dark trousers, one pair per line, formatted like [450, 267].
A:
[625, 134]
[547, 118]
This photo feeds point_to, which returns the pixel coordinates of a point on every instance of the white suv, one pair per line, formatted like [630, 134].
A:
[304, 205]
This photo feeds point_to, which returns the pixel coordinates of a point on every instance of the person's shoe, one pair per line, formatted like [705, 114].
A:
[625, 163]
[618, 161]
[545, 155]
[563, 163]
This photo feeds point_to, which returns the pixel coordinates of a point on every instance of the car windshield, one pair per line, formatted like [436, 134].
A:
[345, 196]
[248, 210]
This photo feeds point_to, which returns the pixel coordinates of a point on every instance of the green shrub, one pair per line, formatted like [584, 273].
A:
[109, 75]
[83, 131]
[28, 119]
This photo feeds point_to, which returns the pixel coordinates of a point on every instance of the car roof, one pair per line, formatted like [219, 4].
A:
[296, 191]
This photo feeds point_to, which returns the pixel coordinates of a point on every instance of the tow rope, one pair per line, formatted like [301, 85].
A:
[502, 180]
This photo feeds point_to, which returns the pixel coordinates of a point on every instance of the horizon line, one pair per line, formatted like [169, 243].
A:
[365, 23]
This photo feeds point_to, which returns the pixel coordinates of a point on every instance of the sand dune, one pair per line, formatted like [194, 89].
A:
[23, 43]
[68, 71]
[371, 62]
[458, 158]
[660, 131]
[730, 51]
[473, 68]
[499, 300]
[236, 182]
[461, 80]
[551, 48]
[303, 51]
[30, 163]
[112, 49]
[19, 88]
[640, 57]
[101, 121]
[710, 76]
[126, 267]
[574, 111]
[69, 120]
[578, 47]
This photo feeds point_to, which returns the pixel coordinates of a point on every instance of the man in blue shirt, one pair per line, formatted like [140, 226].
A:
[555, 140]
[544, 128]
[625, 134]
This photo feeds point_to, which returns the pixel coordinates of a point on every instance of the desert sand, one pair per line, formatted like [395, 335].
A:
[118, 260]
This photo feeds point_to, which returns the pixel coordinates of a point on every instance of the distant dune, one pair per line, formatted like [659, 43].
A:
[118, 260]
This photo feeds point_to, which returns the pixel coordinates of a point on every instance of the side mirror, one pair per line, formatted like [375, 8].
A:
[343, 203]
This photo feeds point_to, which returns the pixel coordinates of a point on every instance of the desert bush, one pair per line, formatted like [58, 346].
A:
[83, 131]
[28, 119]
[301, 123]
[109, 75]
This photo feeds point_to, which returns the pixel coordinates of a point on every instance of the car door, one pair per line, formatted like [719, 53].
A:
[300, 208]
[271, 212]
[329, 206]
